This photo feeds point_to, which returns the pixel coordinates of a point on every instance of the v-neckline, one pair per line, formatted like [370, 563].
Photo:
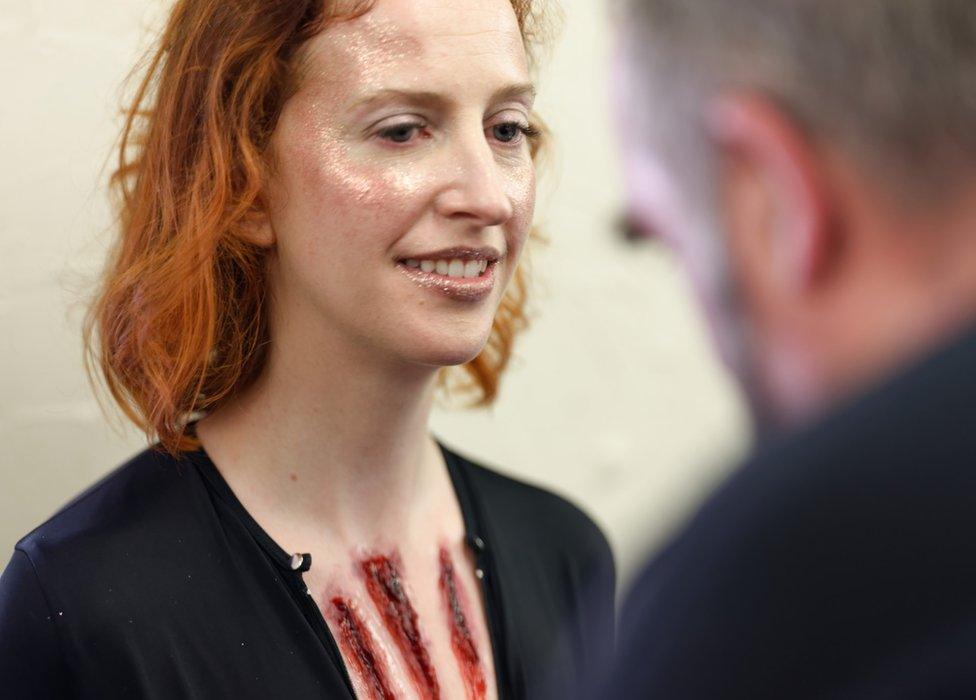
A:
[295, 564]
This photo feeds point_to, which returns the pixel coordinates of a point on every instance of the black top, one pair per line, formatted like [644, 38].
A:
[840, 563]
[157, 583]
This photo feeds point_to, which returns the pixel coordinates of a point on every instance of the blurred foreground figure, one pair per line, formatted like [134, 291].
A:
[813, 165]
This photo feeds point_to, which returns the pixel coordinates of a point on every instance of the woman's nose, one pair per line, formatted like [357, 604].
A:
[475, 187]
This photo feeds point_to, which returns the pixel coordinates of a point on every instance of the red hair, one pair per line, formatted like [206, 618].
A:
[179, 324]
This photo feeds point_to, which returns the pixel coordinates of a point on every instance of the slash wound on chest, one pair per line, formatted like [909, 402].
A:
[388, 596]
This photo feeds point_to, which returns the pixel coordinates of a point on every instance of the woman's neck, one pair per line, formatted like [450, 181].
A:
[330, 440]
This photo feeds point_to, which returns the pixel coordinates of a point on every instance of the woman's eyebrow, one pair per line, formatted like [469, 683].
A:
[524, 92]
[419, 97]
[517, 91]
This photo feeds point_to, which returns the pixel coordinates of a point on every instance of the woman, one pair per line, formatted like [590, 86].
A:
[322, 207]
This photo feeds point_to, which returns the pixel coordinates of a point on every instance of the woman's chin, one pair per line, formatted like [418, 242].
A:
[439, 345]
[448, 352]
[453, 356]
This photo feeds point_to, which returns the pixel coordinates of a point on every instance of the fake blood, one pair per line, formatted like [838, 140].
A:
[461, 639]
[385, 587]
[360, 649]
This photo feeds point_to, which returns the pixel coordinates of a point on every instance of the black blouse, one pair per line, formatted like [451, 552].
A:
[157, 583]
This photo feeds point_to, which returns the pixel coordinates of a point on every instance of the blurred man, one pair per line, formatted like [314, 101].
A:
[813, 165]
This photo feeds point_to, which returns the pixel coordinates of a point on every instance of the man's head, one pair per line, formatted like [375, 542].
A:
[813, 162]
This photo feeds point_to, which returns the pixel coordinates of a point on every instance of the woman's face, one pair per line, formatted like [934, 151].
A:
[404, 187]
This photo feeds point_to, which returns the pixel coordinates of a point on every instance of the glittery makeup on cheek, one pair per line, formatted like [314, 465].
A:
[520, 190]
[348, 61]
[346, 173]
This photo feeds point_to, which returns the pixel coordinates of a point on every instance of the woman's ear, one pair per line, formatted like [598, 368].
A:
[256, 227]
[775, 203]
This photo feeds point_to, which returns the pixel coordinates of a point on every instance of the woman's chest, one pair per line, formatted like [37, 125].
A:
[409, 621]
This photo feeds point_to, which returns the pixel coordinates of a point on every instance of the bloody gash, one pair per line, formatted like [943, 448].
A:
[385, 588]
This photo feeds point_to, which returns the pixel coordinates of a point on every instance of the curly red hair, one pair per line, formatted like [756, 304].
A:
[179, 324]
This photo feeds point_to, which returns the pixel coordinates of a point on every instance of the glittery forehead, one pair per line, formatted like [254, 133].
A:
[373, 42]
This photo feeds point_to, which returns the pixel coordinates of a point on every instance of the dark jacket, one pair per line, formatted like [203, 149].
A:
[838, 563]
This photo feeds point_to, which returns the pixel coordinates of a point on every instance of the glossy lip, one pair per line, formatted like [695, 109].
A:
[468, 289]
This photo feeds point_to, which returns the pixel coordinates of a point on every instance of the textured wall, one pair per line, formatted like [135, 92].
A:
[614, 398]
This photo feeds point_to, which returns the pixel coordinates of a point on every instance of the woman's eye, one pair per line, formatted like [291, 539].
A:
[508, 132]
[401, 133]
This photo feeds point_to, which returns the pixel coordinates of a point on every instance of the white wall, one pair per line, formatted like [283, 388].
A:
[614, 398]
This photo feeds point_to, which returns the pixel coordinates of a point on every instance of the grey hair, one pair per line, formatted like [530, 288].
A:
[891, 82]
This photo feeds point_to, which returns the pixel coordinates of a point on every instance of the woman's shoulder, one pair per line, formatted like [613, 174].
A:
[532, 514]
[125, 510]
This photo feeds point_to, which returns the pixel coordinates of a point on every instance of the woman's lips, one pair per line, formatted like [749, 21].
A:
[454, 284]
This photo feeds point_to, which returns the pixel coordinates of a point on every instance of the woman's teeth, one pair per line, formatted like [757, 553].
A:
[451, 268]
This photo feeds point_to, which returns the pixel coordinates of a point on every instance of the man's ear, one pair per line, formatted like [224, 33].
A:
[774, 196]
